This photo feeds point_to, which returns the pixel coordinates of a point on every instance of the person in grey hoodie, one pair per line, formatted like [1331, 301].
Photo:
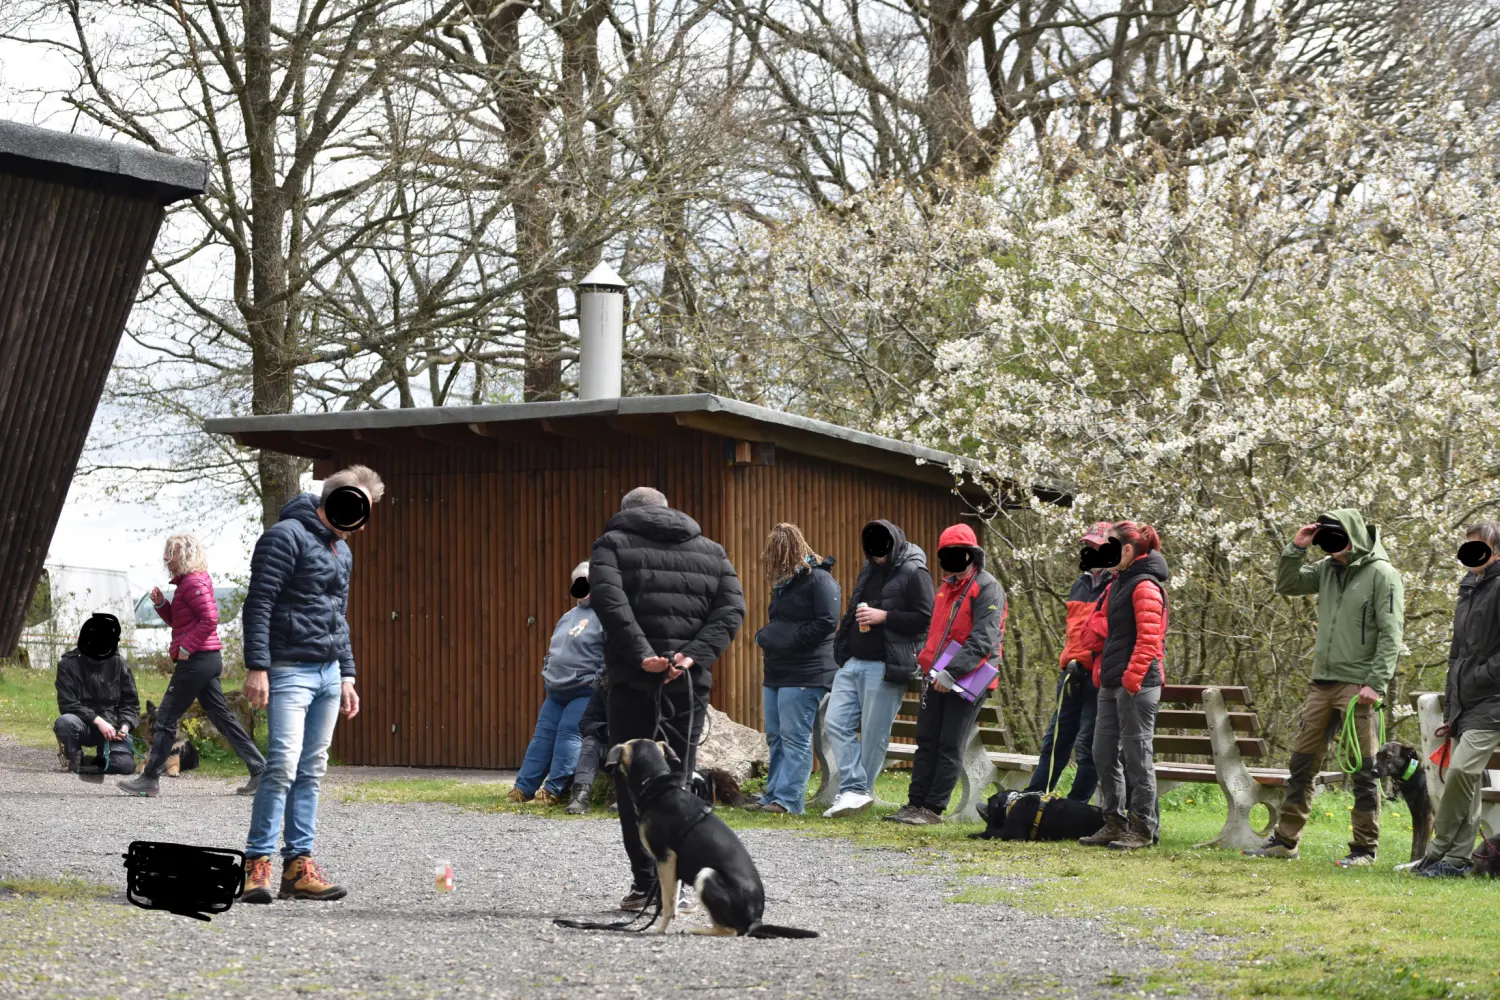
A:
[572, 667]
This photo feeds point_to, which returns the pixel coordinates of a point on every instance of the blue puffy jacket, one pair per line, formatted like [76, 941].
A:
[299, 592]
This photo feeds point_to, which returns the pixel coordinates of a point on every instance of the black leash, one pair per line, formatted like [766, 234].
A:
[661, 730]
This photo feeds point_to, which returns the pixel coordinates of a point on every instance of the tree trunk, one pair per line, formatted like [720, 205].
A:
[952, 142]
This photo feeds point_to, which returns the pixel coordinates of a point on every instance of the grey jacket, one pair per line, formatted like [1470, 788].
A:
[576, 656]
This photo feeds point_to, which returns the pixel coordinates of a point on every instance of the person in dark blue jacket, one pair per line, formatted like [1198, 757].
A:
[300, 668]
[798, 646]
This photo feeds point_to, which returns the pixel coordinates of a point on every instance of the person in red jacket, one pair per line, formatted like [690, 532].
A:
[968, 613]
[1129, 675]
[195, 649]
[1072, 724]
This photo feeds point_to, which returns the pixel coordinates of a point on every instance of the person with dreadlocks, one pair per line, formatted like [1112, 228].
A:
[797, 643]
[670, 603]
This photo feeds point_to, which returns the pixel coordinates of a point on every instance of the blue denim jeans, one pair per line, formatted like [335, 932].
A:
[790, 714]
[303, 708]
[553, 750]
[860, 712]
[1070, 733]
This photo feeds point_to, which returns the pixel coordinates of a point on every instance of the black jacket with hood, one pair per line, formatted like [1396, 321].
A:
[660, 587]
[902, 588]
[89, 687]
[1472, 700]
[798, 639]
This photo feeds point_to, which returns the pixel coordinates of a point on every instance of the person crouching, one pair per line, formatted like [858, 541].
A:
[574, 661]
[969, 611]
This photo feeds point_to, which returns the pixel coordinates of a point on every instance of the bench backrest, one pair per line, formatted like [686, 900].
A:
[1182, 724]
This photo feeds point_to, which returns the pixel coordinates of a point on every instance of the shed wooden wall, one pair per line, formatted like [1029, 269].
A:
[464, 570]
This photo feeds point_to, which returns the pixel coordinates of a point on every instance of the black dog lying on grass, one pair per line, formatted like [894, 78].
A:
[1014, 816]
[1403, 766]
[1486, 859]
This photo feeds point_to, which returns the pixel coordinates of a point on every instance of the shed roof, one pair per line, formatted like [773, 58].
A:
[314, 435]
[83, 161]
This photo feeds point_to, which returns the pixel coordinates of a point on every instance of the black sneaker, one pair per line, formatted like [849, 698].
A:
[1357, 858]
[637, 898]
[900, 815]
[1274, 847]
[1443, 868]
[578, 805]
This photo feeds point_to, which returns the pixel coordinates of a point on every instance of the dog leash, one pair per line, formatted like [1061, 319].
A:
[1052, 776]
[1347, 751]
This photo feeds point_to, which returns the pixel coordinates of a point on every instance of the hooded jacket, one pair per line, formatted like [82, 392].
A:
[798, 639]
[575, 656]
[193, 614]
[660, 587]
[1083, 597]
[968, 609]
[299, 593]
[902, 588]
[89, 687]
[1361, 607]
[1136, 633]
[1472, 699]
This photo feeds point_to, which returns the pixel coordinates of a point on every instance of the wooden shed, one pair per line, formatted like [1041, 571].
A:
[464, 568]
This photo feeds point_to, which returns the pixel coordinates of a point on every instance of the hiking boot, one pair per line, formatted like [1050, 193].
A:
[1113, 831]
[922, 816]
[1359, 857]
[578, 805]
[257, 880]
[545, 798]
[250, 787]
[637, 898]
[774, 808]
[303, 879]
[73, 760]
[62, 757]
[847, 804]
[1274, 847]
[516, 795]
[141, 784]
[1443, 868]
[1136, 837]
[900, 815]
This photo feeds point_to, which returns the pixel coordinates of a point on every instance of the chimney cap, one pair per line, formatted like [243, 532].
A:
[603, 277]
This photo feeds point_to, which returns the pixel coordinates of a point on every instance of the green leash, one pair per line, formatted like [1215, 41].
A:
[1347, 751]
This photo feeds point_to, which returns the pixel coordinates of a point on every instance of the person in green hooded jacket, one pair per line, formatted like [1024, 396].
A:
[1361, 610]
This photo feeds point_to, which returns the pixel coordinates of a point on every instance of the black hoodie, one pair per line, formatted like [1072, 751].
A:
[798, 639]
[660, 587]
[87, 687]
[902, 588]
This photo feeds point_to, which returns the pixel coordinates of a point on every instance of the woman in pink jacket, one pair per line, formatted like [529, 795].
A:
[195, 648]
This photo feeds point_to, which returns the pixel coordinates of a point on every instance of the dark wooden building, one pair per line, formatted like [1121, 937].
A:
[78, 218]
[464, 568]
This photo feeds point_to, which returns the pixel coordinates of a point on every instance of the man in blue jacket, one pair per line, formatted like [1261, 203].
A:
[300, 668]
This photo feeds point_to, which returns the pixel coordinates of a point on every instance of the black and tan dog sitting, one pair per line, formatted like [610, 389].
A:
[691, 844]
[1403, 766]
[1026, 816]
[184, 755]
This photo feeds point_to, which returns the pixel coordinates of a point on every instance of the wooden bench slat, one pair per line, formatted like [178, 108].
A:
[989, 737]
[1193, 693]
[1184, 718]
[989, 712]
[1202, 746]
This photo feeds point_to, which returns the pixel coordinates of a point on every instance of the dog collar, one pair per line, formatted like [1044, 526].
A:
[1411, 769]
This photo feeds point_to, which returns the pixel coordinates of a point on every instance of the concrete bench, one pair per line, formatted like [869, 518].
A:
[1429, 706]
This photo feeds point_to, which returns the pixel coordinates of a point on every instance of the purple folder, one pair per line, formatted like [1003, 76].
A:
[972, 685]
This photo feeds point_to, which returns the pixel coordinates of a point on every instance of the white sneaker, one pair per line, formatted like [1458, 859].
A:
[847, 804]
[687, 899]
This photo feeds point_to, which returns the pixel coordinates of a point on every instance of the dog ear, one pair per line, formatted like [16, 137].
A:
[668, 752]
[150, 706]
[612, 759]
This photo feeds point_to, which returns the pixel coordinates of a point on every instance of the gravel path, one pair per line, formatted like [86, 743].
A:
[493, 937]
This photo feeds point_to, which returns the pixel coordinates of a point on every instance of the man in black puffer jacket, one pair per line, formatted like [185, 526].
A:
[96, 699]
[300, 668]
[670, 604]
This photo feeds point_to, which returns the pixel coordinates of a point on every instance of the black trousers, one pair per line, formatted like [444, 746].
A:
[942, 723]
[197, 679]
[632, 716]
[76, 734]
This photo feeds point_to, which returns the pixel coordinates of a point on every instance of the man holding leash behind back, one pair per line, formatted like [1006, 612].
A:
[1361, 612]
[670, 603]
[300, 668]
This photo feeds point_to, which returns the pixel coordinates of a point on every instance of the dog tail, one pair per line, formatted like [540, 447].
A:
[760, 930]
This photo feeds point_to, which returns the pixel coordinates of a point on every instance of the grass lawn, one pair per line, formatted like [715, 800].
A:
[28, 706]
[1285, 929]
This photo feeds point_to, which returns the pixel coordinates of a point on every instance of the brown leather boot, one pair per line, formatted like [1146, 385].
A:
[1137, 835]
[1113, 830]
[303, 879]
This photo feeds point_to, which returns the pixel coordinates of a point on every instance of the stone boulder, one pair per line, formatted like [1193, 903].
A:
[731, 747]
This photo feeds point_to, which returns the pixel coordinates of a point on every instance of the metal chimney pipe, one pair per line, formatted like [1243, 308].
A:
[601, 333]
